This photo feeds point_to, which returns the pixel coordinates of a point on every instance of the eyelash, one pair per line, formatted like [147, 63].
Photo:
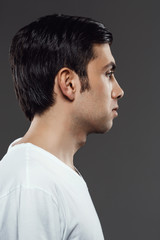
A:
[110, 74]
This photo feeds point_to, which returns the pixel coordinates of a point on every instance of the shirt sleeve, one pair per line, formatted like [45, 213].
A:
[32, 215]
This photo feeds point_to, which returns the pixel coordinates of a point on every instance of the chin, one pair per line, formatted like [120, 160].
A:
[104, 128]
[109, 126]
[102, 125]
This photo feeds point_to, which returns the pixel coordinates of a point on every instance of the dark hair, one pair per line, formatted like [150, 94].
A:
[40, 49]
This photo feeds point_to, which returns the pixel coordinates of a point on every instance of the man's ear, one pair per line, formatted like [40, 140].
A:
[66, 82]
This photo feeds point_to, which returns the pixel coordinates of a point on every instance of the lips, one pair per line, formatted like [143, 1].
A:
[116, 108]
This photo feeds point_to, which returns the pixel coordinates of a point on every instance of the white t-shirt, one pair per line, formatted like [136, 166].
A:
[42, 198]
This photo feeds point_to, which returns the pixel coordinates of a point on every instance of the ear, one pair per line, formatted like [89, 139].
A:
[66, 81]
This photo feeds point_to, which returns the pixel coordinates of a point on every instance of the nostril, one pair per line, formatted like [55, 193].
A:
[121, 95]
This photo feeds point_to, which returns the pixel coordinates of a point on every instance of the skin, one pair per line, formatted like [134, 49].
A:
[64, 128]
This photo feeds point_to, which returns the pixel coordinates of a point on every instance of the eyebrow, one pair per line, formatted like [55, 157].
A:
[111, 65]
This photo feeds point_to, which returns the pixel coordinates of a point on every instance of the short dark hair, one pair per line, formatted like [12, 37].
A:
[40, 49]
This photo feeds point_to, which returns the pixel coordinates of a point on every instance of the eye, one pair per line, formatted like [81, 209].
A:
[109, 74]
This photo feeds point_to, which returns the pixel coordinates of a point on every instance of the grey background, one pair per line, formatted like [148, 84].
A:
[121, 167]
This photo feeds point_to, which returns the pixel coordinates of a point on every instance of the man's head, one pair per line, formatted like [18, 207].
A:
[39, 50]
[47, 53]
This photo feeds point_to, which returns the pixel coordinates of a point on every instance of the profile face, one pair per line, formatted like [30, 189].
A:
[96, 106]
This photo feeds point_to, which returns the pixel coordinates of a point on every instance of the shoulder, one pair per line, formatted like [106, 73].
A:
[24, 168]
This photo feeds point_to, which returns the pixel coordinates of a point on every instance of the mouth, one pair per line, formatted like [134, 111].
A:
[114, 110]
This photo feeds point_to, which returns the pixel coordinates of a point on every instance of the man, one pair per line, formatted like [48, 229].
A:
[63, 73]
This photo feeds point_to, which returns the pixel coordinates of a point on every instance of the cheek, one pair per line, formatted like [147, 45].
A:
[105, 100]
[105, 93]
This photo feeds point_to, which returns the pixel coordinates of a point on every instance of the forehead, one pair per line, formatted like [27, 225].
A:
[103, 53]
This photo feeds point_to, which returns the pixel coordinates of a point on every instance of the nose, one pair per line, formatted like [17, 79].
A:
[117, 91]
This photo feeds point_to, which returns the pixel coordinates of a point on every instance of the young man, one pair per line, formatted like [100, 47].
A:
[63, 73]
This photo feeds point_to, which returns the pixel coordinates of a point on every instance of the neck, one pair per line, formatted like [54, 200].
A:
[60, 137]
